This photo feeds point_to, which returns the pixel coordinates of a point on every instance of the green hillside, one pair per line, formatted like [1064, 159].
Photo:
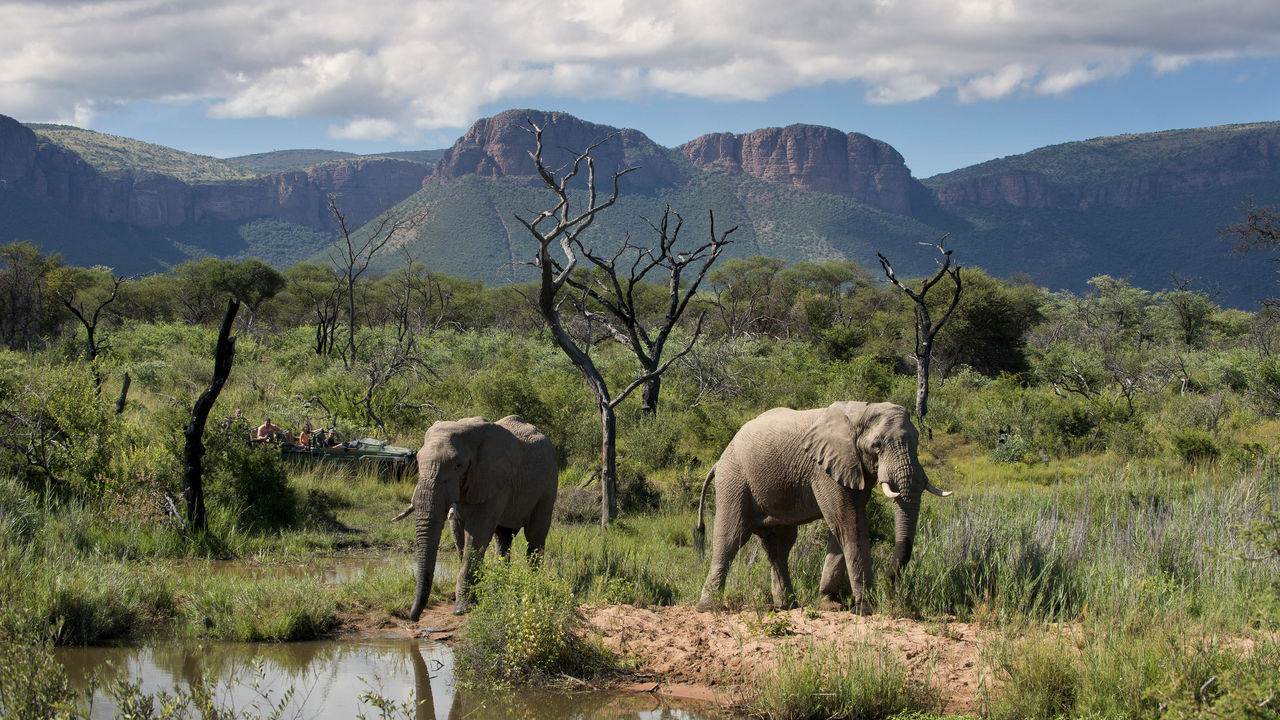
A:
[114, 155]
[284, 160]
[1107, 158]
[425, 157]
[471, 230]
[1148, 245]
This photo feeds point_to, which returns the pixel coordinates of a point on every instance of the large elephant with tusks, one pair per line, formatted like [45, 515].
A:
[790, 467]
[500, 477]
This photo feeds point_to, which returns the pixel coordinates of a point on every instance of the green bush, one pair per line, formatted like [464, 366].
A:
[250, 478]
[525, 628]
[1194, 446]
[33, 684]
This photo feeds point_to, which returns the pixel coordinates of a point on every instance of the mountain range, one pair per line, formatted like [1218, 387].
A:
[1146, 207]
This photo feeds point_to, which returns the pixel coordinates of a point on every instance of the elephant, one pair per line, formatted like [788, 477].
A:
[789, 467]
[497, 477]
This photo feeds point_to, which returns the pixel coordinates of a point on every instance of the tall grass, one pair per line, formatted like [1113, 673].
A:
[1144, 546]
[862, 682]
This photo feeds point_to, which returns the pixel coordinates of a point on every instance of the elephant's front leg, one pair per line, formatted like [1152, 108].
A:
[851, 538]
[834, 577]
[474, 547]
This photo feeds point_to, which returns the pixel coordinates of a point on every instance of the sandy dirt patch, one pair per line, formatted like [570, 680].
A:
[717, 656]
[727, 651]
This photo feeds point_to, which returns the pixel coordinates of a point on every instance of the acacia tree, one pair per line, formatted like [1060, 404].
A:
[25, 310]
[617, 294]
[318, 290]
[562, 225]
[86, 294]
[926, 329]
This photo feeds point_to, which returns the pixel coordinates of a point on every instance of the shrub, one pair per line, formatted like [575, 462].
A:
[1194, 446]
[1013, 449]
[577, 505]
[250, 478]
[525, 628]
[33, 684]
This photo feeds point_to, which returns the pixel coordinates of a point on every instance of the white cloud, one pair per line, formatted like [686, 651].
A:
[993, 85]
[391, 68]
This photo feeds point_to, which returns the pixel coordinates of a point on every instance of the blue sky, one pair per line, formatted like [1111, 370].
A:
[949, 83]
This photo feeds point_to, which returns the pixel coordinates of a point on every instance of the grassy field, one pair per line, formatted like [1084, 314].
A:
[1122, 550]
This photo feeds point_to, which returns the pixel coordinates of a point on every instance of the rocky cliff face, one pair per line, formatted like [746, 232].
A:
[1244, 158]
[47, 173]
[810, 157]
[498, 147]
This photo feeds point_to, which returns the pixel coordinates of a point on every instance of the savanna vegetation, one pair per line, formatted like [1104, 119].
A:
[1114, 456]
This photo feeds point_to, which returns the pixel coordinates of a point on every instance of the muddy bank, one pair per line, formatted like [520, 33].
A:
[719, 655]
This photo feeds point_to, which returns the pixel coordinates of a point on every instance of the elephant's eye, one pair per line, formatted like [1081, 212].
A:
[875, 445]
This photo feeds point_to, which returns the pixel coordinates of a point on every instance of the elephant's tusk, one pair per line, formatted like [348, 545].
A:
[404, 514]
[940, 493]
[884, 487]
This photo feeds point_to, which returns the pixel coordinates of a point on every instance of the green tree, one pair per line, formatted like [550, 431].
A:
[988, 330]
[86, 294]
[27, 306]
[316, 291]
[744, 295]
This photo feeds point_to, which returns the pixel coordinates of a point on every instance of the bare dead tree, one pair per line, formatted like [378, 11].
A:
[616, 294]
[563, 226]
[31, 437]
[420, 301]
[926, 329]
[388, 361]
[355, 251]
[193, 450]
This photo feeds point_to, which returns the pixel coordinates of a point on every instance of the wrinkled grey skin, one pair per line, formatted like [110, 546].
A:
[789, 467]
[499, 478]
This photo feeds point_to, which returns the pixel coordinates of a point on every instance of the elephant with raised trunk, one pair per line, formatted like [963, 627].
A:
[789, 467]
[499, 477]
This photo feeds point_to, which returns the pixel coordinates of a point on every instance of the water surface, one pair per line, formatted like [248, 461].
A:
[329, 677]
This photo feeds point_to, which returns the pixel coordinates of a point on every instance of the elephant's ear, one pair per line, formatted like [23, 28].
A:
[494, 465]
[832, 443]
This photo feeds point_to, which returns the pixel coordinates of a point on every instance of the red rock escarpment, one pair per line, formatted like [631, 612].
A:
[815, 158]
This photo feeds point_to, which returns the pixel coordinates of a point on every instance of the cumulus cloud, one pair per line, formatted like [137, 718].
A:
[396, 68]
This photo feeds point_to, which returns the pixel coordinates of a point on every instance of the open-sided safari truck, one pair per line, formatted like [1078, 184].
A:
[387, 460]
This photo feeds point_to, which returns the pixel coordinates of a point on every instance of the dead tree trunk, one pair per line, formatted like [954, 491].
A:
[926, 330]
[124, 393]
[193, 452]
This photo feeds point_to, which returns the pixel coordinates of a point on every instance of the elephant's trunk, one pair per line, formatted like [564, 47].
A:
[906, 511]
[908, 478]
[432, 510]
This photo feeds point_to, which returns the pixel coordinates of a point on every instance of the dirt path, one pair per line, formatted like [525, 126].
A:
[718, 655]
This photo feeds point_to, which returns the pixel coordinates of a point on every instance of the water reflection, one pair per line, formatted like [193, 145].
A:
[329, 677]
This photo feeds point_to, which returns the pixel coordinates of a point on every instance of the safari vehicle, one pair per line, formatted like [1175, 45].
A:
[387, 460]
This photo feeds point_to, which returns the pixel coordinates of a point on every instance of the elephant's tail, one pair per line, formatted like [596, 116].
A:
[700, 530]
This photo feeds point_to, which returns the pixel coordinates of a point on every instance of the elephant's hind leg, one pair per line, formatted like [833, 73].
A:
[504, 537]
[537, 529]
[777, 547]
[728, 540]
